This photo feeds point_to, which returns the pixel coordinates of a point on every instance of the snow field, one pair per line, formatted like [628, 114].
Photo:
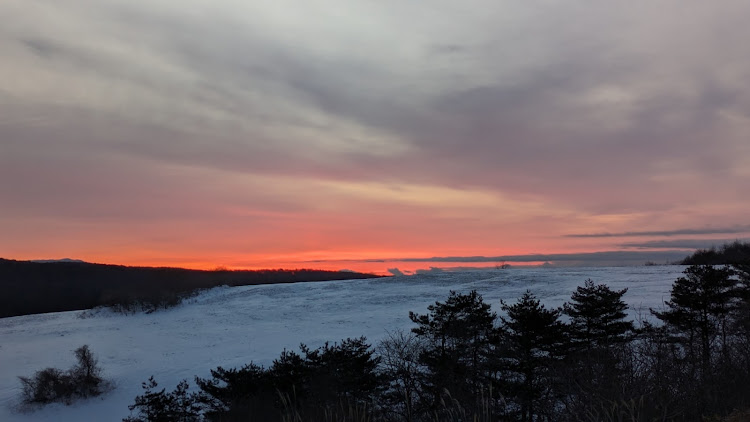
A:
[231, 326]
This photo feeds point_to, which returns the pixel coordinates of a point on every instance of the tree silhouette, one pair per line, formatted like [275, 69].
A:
[458, 339]
[698, 310]
[534, 340]
[598, 333]
[597, 316]
[160, 406]
[698, 318]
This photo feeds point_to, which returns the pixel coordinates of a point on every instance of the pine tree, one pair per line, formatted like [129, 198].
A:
[739, 364]
[698, 310]
[343, 372]
[160, 406]
[597, 316]
[236, 393]
[458, 337]
[598, 330]
[698, 319]
[742, 314]
[533, 340]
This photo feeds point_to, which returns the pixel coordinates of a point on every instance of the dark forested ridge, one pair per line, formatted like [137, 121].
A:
[35, 287]
[728, 254]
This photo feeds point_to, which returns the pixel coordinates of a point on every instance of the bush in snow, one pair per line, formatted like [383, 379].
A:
[54, 385]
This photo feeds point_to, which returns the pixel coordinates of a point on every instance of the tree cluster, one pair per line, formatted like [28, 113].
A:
[334, 382]
[735, 253]
[54, 385]
[584, 361]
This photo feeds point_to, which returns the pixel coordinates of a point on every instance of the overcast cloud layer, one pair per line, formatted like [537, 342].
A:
[233, 132]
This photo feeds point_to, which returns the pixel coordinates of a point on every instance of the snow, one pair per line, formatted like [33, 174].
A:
[231, 326]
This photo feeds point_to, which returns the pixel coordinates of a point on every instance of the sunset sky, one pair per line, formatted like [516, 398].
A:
[372, 134]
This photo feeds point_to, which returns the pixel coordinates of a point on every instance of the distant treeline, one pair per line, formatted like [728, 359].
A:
[728, 254]
[34, 287]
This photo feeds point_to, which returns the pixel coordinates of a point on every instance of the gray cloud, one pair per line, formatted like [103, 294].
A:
[586, 258]
[593, 257]
[680, 243]
[610, 108]
[681, 232]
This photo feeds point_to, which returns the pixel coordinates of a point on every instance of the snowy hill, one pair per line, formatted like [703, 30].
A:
[233, 326]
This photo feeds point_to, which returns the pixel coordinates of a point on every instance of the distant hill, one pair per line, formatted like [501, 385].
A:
[730, 253]
[51, 261]
[28, 287]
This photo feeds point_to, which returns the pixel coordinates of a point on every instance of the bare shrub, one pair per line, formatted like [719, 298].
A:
[54, 385]
[46, 386]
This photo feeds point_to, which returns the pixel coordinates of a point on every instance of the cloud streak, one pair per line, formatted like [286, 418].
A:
[592, 258]
[689, 244]
[667, 233]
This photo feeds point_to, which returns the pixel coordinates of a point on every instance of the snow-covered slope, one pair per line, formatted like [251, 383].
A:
[233, 326]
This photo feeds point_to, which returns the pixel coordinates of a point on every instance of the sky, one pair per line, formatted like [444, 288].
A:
[372, 135]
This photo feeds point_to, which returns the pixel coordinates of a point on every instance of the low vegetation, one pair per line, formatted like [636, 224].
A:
[584, 362]
[50, 385]
[69, 286]
[311, 385]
